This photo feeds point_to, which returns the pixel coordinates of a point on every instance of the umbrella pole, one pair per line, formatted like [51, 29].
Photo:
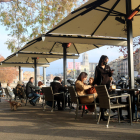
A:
[19, 73]
[64, 62]
[44, 75]
[35, 71]
[130, 56]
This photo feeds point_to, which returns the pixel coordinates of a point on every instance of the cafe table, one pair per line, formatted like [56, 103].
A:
[132, 95]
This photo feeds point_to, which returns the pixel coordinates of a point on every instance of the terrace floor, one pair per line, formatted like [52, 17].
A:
[32, 123]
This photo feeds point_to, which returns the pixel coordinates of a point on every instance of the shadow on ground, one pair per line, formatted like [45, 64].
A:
[30, 122]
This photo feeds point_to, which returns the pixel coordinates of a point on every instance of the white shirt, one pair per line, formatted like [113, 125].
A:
[10, 91]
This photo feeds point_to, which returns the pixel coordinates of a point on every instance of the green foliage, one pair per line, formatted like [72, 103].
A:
[29, 18]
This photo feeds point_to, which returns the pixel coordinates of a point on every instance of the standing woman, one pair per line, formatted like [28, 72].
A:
[81, 89]
[102, 76]
[103, 72]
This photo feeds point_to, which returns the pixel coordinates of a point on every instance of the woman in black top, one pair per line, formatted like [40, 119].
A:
[102, 77]
[103, 72]
[57, 88]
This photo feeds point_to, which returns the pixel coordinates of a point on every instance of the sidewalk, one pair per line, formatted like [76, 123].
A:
[32, 123]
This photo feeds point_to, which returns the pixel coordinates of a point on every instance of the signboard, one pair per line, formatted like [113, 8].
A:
[77, 65]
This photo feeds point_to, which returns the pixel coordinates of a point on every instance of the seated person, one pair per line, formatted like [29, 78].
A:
[20, 91]
[30, 91]
[10, 91]
[91, 80]
[81, 90]
[24, 87]
[57, 88]
[38, 89]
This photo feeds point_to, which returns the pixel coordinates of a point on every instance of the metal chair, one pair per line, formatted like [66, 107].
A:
[75, 99]
[49, 96]
[138, 105]
[104, 102]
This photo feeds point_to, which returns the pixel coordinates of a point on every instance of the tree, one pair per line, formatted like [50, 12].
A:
[27, 19]
[123, 50]
[7, 74]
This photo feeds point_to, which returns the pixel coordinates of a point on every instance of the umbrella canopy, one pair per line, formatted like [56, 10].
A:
[79, 44]
[22, 57]
[98, 17]
[26, 65]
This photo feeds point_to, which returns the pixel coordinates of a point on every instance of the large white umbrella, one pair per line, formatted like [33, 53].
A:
[98, 17]
[112, 18]
[57, 44]
[79, 44]
[28, 59]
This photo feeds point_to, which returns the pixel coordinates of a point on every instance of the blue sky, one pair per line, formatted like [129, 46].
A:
[57, 66]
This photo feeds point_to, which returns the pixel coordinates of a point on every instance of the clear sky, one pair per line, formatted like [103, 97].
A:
[57, 66]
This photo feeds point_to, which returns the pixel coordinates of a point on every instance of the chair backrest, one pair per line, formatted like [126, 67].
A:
[48, 93]
[104, 101]
[73, 94]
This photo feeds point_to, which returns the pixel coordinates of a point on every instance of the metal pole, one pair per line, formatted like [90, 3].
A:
[74, 69]
[64, 62]
[19, 73]
[130, 55]
[35, 71]
[44, 75]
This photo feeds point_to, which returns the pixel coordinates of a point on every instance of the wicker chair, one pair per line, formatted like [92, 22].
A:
[138, 105]
[104, 102]
[75, 99]
[49, 96]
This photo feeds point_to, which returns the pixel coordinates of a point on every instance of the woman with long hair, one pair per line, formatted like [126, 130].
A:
[103, 72]
[102, 77]
[81, 90]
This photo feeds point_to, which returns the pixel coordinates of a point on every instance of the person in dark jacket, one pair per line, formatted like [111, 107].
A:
[103, 72]
[102, 76]
[30, 91]
[58, 88]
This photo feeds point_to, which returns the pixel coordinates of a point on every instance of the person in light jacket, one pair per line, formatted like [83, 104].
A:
[10, 91]
[81, 90]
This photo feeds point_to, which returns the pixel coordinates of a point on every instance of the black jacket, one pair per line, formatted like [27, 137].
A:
[57, 87]
[102, 76]
[30, 88]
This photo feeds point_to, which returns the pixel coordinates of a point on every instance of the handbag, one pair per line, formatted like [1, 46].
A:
[91, 90]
